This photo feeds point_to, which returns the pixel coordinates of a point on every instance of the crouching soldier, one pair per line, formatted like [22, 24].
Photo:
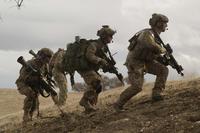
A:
[30, 83]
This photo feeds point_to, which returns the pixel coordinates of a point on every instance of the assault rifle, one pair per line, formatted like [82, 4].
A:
[49, 76]
[42, 84]
[111, 64]
[168, 58]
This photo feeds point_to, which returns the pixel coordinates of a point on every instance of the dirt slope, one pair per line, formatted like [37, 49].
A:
[178, 113]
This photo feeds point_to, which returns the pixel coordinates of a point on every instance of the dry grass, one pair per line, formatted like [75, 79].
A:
[12, 102]
[180, 107]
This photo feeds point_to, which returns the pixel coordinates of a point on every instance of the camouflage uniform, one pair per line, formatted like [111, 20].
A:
[91, 77]
[140, 60]
[57, 69]
[31, 102]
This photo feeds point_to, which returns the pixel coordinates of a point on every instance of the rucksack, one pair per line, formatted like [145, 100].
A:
[74, 58]
[133, 40]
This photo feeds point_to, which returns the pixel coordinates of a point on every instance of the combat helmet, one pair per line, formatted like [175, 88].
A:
[157, 18]
[105, 31]
[45, 52]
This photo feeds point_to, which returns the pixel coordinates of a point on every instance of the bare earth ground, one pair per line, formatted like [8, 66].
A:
[178, 113]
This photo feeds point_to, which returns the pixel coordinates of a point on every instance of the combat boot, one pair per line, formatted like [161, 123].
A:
[157, 98]
[88, 109]
[157, 94]
[26, 118]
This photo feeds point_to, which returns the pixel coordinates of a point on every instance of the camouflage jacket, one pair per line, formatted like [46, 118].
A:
[146, 49]
[56, 61]
[92, 53]
[26, 76]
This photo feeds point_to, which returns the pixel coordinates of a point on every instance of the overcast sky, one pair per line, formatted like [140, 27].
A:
[54, 23]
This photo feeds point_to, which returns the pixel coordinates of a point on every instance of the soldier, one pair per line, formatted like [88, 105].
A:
[91, 77]
[143, 51]
[57, 67]
[27, 80]
[57, 70]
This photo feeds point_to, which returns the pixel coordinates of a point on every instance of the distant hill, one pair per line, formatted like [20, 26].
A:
[178, 113]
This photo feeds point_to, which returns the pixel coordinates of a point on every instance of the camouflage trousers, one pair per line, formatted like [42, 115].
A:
[31, 101]
[93, 81]
[61, 82]
[136, 71]
[60, 78]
